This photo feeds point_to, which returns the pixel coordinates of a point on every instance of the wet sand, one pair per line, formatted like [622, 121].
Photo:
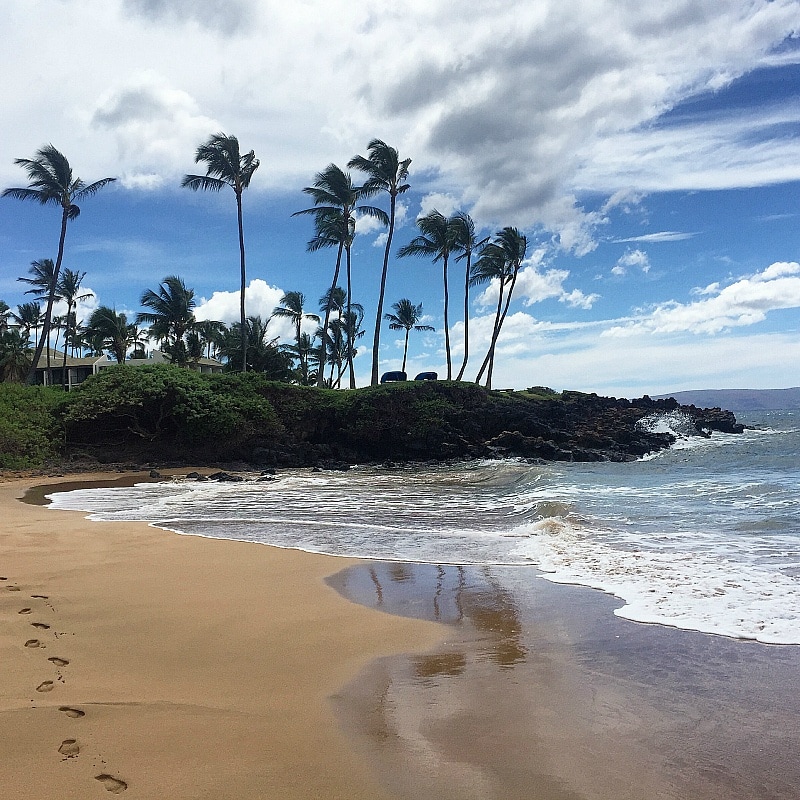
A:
[139, 662]
[540, 691]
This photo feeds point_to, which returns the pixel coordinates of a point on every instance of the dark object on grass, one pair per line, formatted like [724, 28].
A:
[427, 376]
[393, 377]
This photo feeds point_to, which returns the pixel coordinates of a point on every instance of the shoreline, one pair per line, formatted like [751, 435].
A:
[143, 662]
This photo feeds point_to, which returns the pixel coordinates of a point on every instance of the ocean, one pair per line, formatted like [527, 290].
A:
[704, 536]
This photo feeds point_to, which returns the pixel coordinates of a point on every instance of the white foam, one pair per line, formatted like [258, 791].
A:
[694, 590]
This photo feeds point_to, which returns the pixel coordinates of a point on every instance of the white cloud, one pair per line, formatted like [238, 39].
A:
[659, 236]
[512, 108]
[744, 302]
[637, 259]
[442, 202]
[260, 300]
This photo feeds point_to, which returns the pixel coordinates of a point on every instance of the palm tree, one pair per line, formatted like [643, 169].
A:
[435, 242]
[336, 207]
[465, 242]
[69, 285]
[51, 183]
[502, 259]
[210, 332]
[292, 308]
[5, 313]
[406, 317]
[111, 331]
[29, 317]
[345, 332]
[44, 283]
[171, 316]
[15, 358]
[264, 355]
[386, 173]
[225, 166]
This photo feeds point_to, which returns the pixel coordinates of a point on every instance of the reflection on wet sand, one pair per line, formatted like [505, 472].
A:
[542, 692]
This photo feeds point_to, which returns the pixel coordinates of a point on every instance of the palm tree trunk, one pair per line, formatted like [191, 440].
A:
[325, 324]
[499, 327]
[50, 300]
[242, 317]
[64, 380]
[379, 316]
[350, 334]
[466, 318]
[493, 340]
[405, 349]
[446, 323]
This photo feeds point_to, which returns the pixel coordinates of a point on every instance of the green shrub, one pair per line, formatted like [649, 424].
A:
[30, 430]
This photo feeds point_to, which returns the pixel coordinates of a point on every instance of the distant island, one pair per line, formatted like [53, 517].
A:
[740, 399]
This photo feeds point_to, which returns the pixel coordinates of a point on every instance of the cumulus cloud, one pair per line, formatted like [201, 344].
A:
[742, 303]
[442, 202]
[154, 125]
[631, 259]
[260, 299]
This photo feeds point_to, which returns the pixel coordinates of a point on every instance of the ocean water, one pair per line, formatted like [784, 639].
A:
[704, 536]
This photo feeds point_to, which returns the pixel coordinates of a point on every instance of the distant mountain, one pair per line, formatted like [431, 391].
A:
[740, 399]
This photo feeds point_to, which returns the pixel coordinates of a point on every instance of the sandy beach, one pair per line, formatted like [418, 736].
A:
[142, 662]
[139, 662]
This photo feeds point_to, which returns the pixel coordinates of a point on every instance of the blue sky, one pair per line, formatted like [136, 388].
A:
[651, 155]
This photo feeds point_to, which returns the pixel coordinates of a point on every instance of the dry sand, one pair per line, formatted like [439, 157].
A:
[135, 661]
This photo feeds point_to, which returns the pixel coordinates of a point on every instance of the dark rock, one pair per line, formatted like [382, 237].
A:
[154, 473]
[225, 477]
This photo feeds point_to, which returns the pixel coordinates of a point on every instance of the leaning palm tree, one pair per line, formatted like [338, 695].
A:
[52, 183]
[502, 259]
[336, 208]
[225, 166]
[69, 285]
[108, 330]
[466, 243]
[435, 242]
[44, 285]
[171, 315]
[386, 173]
[406, 317]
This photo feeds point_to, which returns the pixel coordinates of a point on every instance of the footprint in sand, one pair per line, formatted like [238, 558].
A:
[40, 625]
[25, 611]
[59, 662]
[112, 784]
[74, 713]
[69, 748]
[45, 686]
[14, 589]
[33, 643]
[40, 596]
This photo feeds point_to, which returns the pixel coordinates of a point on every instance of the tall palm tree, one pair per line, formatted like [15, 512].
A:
[111, 331]
[406, 317]
[69, 286]
[336, 208]
[51, 183]
[466, 243]
[171, 317]
[225, 166]
[331, 229]
[435, 241]
[503, 260]
[386, 173]
[44, 283]
[5, 313]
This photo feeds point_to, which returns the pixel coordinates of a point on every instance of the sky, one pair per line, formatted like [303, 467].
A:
[649, 151]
